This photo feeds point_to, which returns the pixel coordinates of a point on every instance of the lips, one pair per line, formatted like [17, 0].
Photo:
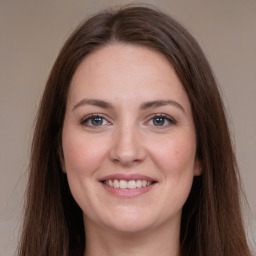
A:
[131, 184]
[127, 177]
[124, 185]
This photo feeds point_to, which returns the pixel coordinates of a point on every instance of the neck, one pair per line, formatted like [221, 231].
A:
[103, 242]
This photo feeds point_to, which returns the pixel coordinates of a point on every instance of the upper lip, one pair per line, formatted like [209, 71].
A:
[127, 177]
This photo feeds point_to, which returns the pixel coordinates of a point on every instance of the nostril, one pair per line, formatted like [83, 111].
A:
[127, 151]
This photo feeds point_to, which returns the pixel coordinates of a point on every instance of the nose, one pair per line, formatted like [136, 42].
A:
[127, 146]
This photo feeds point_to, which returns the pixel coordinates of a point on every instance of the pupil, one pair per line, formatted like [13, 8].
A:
[97, 121]
[159, 121]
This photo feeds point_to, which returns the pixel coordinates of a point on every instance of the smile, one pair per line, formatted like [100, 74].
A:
[124, 184]
[127, 185]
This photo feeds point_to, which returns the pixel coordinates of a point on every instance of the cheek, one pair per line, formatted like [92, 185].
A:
[175, 160]
[176, 156]
[82, 154]
[82, 158]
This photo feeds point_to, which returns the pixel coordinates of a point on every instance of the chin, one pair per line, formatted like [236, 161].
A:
[128, 226]
[131, 221]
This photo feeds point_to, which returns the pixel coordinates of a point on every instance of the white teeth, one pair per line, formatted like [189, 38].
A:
[144, 183]
[131, 184]
[139, 184]
[123, 184]
[116, 184]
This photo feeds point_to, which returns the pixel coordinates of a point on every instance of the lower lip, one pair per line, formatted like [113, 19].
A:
[128, 192]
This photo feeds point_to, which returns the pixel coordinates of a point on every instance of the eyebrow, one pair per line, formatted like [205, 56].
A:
[94, 102]
[160, 103]
[143, 106]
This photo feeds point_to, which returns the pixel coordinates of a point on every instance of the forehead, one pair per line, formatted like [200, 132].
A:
[121, 70]
[119, 56]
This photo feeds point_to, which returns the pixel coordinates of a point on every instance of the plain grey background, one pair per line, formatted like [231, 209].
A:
[31, 34]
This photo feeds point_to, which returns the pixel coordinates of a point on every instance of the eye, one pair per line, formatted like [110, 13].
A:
[161, 120]
[94, 120]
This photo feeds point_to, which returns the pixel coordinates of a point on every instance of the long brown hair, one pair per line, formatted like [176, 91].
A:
[211, 218]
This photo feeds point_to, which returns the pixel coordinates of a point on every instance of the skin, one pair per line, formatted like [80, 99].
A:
[128, 141]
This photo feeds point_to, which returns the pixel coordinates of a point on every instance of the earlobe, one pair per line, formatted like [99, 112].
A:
[61, 159]
[198, 170]
[62, 166]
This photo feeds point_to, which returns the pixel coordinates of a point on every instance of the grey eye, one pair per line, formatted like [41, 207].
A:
[97, 121]
[159, 121]
[94, 121]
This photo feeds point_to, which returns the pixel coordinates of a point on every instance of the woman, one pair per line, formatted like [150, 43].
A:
[131, 151]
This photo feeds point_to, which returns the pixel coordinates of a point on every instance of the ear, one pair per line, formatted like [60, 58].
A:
[198, 168]
[61, 159]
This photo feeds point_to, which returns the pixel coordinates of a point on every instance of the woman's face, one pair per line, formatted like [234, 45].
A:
[129, 140]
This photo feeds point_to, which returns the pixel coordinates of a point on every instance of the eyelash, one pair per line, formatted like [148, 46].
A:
[170, 120]
[85, 121]
[89, 118]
